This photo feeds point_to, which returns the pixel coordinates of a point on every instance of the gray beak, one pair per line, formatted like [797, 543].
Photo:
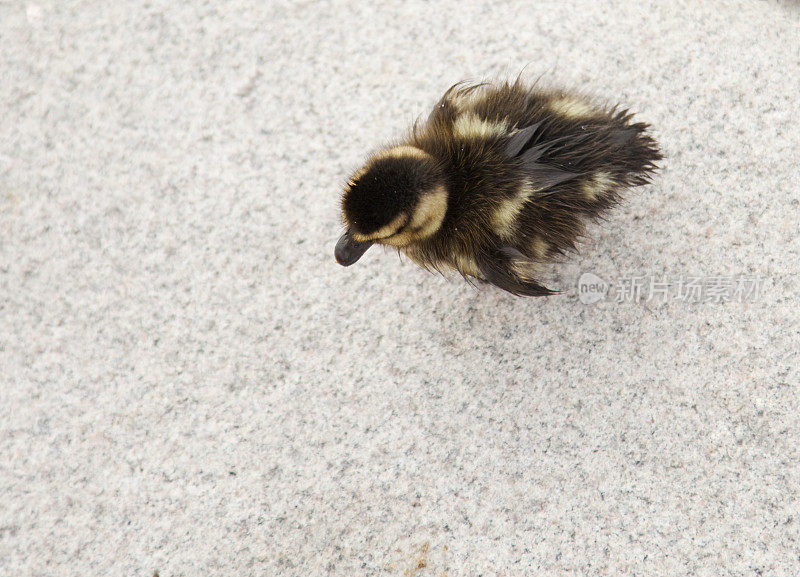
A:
[348, 251]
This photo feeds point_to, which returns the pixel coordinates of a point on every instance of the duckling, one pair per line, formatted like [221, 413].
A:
[498, 180]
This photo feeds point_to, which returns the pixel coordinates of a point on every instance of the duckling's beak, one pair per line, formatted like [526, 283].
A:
[348, 250]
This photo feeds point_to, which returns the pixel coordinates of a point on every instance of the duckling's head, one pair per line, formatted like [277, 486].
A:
[398, 198]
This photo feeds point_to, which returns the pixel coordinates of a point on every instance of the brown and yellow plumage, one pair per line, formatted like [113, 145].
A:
[497, 180]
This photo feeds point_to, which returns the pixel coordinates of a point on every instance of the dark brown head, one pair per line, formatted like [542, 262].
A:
[398, 198]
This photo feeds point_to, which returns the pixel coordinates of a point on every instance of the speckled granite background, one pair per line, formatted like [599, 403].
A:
[191, 385]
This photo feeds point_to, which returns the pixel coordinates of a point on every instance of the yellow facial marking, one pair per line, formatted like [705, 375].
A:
[599, 185]
[357, 175]
[425, 220]
[470, 125]
[385, 231]
[403, 151]
[429, 212]
[402, 239]
[505, 216]
[572, 107]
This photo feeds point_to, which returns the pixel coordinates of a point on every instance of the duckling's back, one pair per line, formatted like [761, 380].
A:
[528, 168]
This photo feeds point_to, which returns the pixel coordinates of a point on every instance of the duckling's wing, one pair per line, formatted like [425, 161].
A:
[524, 146]
[520, 138]
[509, 269]
[545, 176]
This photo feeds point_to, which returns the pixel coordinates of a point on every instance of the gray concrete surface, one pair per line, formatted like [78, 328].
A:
[191, 385]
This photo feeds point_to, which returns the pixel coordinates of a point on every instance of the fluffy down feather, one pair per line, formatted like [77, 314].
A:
[499, 179]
